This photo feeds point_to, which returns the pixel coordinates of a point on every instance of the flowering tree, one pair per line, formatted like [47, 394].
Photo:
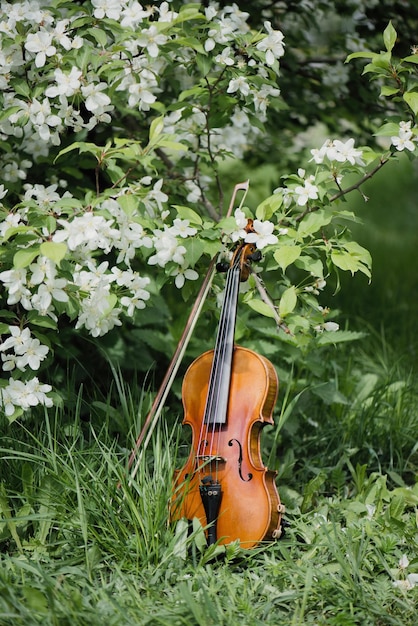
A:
[116, 122]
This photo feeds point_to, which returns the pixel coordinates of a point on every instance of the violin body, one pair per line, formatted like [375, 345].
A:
[227, 456]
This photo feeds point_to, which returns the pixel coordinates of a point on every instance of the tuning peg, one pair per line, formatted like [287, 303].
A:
[222, 266]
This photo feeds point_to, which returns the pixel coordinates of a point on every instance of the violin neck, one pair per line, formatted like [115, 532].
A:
[220, 377]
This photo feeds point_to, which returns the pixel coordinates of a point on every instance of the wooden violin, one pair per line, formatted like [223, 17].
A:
[228, 397]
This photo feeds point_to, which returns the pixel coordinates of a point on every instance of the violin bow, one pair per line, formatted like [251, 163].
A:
[158, 404]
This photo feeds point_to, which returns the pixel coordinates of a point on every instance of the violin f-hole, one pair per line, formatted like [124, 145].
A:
[231, 443]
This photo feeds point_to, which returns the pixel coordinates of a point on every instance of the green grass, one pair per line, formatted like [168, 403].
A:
[76, 549]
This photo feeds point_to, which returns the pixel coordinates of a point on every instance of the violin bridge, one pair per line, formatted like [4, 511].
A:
[208, 458]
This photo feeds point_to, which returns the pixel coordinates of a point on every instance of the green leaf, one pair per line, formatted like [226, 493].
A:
[261, 307]
[156, 128]
[99, 35]
[413, 58]
[21, 87]
[129, 203]
[54, 251]
[411, 98]
[24, 257]
[342, 336]
[81, 146]
[361, 55]
[16, 230]
[35, 599]
[171, 145]
[204, 63]
[389, 37]
[189, 13]
[344, 261]
[311, 265]
[193, 92]
[41, 320]
[387, 130]
[288, 301]
[314, 222]
[186, 213]
[329, 393]
[354, 258]
[8, 112]
[195, 248]
[388, 91]
[6, 511]
[286, 255]
[269, 206]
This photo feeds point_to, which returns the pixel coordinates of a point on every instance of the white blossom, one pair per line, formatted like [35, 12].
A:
[272, 44]
[241, 222]
[403, 562]
[98, 313]
[19, 394]
[182, 274]
[327, 327]
[40, 44]
[107, 8]
[263, 235]
[133, 14]
[15, 282]
[17, 340]
[59, 33]
[150, 38]
[95, 98]
[91, 231]
[155, 196]
[140, 94]
[408, 583]
[12, 220]
[262, 97]
[339, 151]
[67, 84]
[34, 354]
[405, 139]
[165, 13]
[307, 192]
[239, 84]
[182, 228]
[226, 57]
[167, 249]
[42, 118]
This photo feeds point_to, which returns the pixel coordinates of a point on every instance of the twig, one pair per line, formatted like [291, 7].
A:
[267, 300]
[343, 192]
[362, 180]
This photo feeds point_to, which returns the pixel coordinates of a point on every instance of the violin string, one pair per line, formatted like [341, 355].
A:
[224, 329]
[211, 401]
[222, 367]
[204, 428]
[228, 328]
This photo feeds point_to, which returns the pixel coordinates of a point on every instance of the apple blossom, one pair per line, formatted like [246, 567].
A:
[307, 192]
[40, 44]
[263, 235]
[272, 44]
[405, 139]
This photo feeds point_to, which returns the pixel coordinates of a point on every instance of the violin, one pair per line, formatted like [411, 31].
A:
[228, 397]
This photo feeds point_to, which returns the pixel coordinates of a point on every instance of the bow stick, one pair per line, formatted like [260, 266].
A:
[158, 404]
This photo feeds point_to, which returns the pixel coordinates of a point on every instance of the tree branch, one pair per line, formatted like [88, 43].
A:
[362, 180]
[267, 300]
[344, 192]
